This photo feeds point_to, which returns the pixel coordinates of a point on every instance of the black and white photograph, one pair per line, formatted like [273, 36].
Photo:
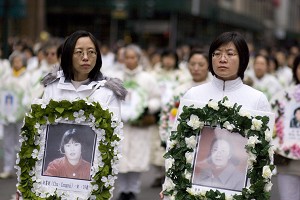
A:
[221, 160]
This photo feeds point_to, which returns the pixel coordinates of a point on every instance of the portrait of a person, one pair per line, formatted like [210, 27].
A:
[71, 164]
[295, 121]
[222, 171]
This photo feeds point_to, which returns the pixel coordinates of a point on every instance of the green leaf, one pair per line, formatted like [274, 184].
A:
[60, 110]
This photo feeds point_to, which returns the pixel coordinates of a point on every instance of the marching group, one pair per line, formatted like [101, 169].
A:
[152, 78]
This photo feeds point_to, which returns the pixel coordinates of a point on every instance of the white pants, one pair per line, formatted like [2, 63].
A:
[10, 144]
[289, 187]
[129, 182]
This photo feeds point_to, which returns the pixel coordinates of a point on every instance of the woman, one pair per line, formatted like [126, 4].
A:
[228, 60]
[198, 68]
[262, 80]
[289, 175]
[138, 109]
[81, 76]
[16, 100]
[72, 165]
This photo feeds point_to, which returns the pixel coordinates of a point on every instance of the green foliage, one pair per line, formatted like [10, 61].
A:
[45, 115]
[217, 117]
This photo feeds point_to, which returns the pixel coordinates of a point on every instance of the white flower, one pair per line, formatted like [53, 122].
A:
[227, 104]
[168, 184]
[228, 126]
[35, 153]
[256, 124]
[214, 105]
[191, 142]
[194, 122]
[171, 144]
[190, 191]
[268, 187]
[108, 181]
[244, 113]
[189, 156]
[252, 141]
[169, 163]
[187, 175]
[228, 197]
[267, 173]
[268, 135]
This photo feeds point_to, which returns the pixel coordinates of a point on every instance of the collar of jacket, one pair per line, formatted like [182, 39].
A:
[227, 85]
[65, 84]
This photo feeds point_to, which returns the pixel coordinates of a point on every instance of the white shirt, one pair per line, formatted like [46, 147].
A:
[235, 90]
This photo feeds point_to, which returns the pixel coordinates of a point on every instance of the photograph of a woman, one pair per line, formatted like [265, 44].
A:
[71, 163]
[295, 121]
[221, 167]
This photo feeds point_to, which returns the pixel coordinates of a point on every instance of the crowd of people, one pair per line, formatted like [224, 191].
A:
[152, 77]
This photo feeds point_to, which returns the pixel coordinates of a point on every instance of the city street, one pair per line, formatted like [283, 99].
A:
[8, 186]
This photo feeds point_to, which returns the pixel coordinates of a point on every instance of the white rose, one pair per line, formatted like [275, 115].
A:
[189, 156]
[228, 126]
[256, 124]
[187, 175]
[227, 104]
[252, 141]
[169, 163]
[168, 184]
[244, 113]
[268, 187]
[194, 122]
[171, 144]
[267, 173]
[268, 135]
[214, 105]
[228, 197]
[191, 142]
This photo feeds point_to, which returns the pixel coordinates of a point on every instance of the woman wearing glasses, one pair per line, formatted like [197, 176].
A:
[228, 60]
[80, 76]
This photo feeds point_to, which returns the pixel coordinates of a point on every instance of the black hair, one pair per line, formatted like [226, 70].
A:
[295, 66]
[67, 55]
[265, 57]
[296, 110]
[238, 40]
[167, 52]
[198, 51]
[68, 135]
[274, 59]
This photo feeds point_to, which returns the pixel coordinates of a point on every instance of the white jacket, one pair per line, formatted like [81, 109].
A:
[62, 89]
[235, 90]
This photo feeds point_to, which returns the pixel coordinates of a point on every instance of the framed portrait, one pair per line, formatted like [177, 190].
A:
[220, 161]
[286, 106]
[11, 109]
[69, 150]
[213, 149]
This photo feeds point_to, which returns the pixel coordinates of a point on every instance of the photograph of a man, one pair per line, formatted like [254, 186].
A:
[295, 121]
[221, 160]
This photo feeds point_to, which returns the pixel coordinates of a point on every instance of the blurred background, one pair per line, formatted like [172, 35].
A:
[161, 23]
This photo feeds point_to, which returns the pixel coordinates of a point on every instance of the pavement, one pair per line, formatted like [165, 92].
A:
[8, 186]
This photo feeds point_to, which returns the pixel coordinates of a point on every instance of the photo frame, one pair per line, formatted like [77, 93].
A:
[68, 125]
[12, 108]
[286, 106]
[255, 126]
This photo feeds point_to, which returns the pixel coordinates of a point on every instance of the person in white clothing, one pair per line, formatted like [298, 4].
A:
[228, 60]
[262, 80]
[138, 114]
[80, 77]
